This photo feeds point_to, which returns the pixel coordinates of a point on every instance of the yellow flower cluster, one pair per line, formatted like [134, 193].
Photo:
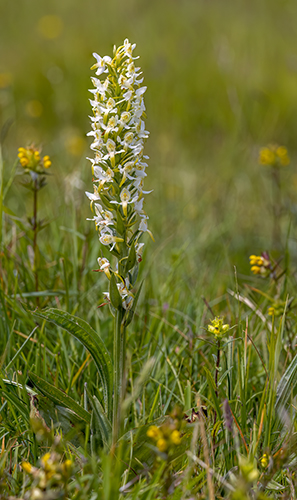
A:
[218, 328]
[260, 265]
[30, 159]
[52, 474]
[274, 156]
[277, 308]
[166, 437]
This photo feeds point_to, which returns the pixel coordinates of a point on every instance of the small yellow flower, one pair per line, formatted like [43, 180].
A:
[67, 467]
[256, 261]
[274, 156]
[46, 161]
[30, 160]
[264, 460]
[26, 466]
[162, 444]
[218, 328]
[153, 432]
[45, 459]
[266, 156]
[175, 437]
[277, 308]
[260, 264]
[282, 154]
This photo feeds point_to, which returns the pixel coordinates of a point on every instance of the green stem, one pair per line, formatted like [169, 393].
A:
[216, 384]
[119, 356]
[119, 352]
[35, 231]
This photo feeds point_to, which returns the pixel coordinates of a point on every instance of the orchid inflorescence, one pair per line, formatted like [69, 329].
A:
[118, 166]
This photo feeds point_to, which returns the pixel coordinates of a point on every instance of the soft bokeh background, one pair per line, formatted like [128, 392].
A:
[222, 82]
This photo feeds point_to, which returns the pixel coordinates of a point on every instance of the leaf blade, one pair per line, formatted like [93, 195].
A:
[59, 397]
[83, 332]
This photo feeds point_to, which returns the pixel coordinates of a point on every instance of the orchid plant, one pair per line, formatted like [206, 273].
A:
[117, 201]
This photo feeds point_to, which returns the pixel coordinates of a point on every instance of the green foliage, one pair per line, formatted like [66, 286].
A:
[214, 99]
[91, 341]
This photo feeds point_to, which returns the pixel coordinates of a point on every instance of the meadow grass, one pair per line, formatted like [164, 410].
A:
[221, 84]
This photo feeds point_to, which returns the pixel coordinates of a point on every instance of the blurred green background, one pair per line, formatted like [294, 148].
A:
[222, 82]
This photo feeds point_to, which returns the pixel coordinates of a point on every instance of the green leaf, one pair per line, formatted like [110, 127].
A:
[83, 332]
[106, 202]
[120, 227]
[130, 313]
[16, 402]
[131, 258]
[100, 422]
[114, 294]
[286, 386]
[212, 387]
[59, 397]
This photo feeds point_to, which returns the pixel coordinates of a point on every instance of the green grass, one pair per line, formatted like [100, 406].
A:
[221, 83]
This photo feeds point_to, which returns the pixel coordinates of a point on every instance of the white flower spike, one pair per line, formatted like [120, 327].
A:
[118, 167]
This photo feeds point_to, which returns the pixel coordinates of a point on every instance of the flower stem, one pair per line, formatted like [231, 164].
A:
[216, 383]
[119, 368]
[35, 231]
[217, 366]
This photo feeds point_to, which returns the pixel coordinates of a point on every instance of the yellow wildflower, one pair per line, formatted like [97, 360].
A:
[274, 156]
[175, 437]
[31, 161]
[162, 444]
[153, 432]
[27, 467]
[264, 460]
[266, 157]
[260, 264]
[46, 161]
[218, 328]
[282, 154]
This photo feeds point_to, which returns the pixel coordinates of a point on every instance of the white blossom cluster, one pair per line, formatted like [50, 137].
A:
[118, 165]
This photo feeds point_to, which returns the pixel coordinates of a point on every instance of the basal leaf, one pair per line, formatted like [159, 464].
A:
[83, 332]
[59, 397]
